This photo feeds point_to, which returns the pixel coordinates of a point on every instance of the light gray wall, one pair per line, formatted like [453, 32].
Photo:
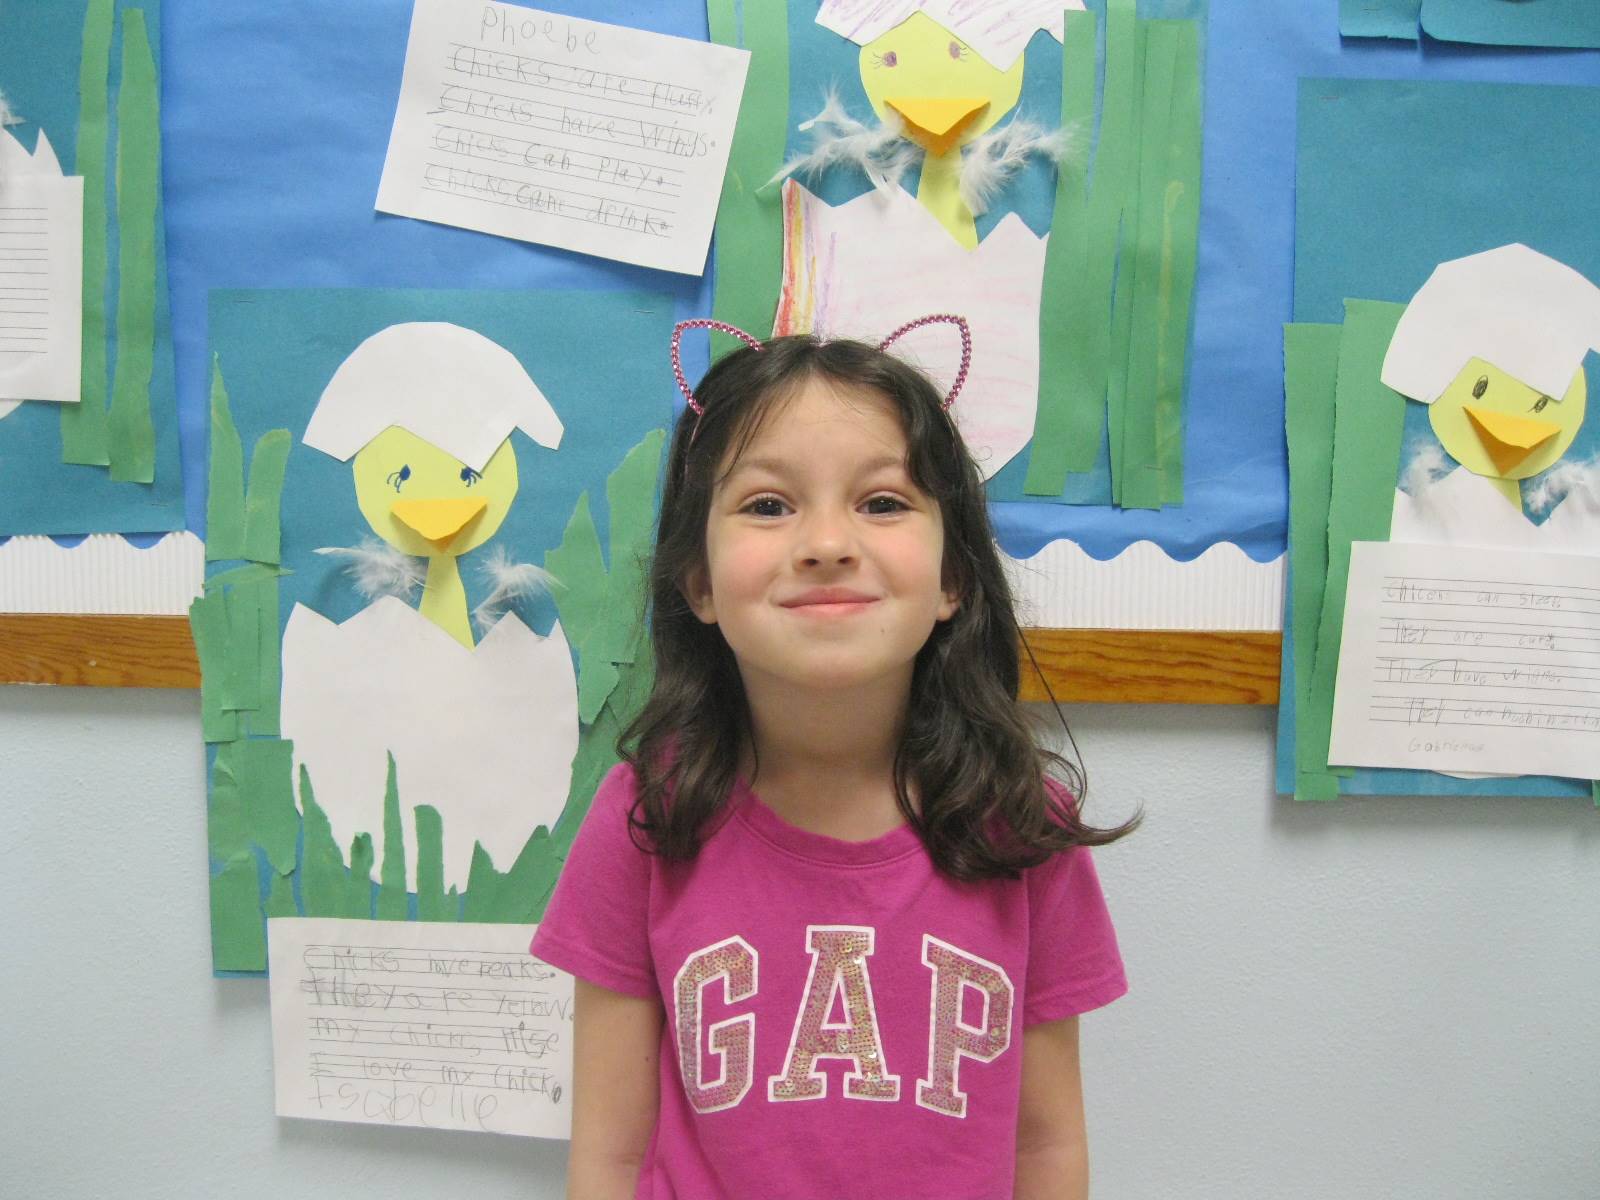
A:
[1366, 999]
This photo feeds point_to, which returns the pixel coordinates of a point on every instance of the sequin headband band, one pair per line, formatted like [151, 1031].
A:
[723, 327]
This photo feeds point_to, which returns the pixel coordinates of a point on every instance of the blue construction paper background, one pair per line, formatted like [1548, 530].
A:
[41, 47]
[277, 350]
[1366, 230]
[1380, 18]
[1514, 23]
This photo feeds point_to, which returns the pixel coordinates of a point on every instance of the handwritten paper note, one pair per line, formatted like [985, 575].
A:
[553, 129]
[41, 287]
[1467, 659]
[443, 1026]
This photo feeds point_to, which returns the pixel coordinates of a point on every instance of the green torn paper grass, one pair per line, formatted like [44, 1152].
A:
[238, 933]
[1071, 413]
[1127, 245]
[1135, 469]
[133, 435]
[433, 902]
[1369, 421]
[1180, 256]
[264, 769]
[1311, 368]
[241, 674]
[392, 876]
[83, 425]
[225, 483]
[268, 463]
[208, 623]
[327, 887]
[749, 235]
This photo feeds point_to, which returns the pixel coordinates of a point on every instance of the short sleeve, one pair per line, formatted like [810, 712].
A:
[596, 925]
[1073, 961]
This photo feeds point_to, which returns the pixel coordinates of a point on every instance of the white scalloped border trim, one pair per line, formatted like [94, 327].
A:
[1062, 587]
[102, 574]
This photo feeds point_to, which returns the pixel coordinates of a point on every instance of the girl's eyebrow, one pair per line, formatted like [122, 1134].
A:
[774, 466]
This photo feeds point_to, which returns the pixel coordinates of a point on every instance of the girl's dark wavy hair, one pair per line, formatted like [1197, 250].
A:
[967, 752]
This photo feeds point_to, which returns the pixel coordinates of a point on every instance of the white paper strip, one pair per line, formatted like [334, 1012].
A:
[553, 129]
[1469, 659]
[435, 1025]
[41, 287]
[1062, 587]
[101, 574]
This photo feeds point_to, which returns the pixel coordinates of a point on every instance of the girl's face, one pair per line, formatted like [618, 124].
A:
[823, 562]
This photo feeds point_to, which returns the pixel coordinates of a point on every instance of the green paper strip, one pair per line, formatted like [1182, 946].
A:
[1595, 791]
[269, 661]
[1398, 19]
[241, 677]
[327, 889]
[432, 903]
[631, 497]
[749, 239]
[1310, 374]
[227, 830]
[133, 434]
[1369, 421]
[238, 576]
[392, 888]
[1072, 401]
[597, 746]
[1135, 463]
[264, 769]
[238, 934]
[1126, 280]
[268, 462]
[83, 425]
[359, 896]
[1180, 256]
[208, 623]
[1075, 444]
[225, 485]
[482, 901]
[280, 898]
[527, 886]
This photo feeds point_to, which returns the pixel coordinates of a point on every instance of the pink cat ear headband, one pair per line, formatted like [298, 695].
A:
[754, 343]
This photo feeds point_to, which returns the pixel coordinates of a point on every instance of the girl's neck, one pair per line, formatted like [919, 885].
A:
[826, 764]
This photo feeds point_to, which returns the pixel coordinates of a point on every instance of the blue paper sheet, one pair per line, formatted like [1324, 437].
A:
[1514, 22]
[1392, 180]
[40, 50]
[1380, 18]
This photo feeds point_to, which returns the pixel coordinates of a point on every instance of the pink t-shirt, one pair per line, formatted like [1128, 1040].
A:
[842, 1020]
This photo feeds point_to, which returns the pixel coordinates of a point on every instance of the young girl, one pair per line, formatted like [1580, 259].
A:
[832, 926]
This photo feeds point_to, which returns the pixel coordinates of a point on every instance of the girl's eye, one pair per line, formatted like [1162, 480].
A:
[396, 478]
[469, 476]
[765, 506]
[1538, 405]
[883, 505]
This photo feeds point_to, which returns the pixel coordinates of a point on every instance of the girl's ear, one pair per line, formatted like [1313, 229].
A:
[696, 590]
[949, 603]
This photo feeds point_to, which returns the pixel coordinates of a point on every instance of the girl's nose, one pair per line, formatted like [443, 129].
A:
[826, 538]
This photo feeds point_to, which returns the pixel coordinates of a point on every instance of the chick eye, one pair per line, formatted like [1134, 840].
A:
[957, 50]
[469, 476]
[1538, 405]
[1479, 388]
[396, 478]
[887, 59]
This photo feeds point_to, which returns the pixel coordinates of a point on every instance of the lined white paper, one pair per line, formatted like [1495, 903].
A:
[41, 287]
[597, 138]
[435, 1025]
[1469, 659]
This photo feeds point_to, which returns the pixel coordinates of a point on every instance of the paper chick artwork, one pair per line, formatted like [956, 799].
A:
[423, 411]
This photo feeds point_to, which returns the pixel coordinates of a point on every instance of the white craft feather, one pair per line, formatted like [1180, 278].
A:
[882, 152]
[378, 569]
[1551, 488]
[7, 115]
[992, 158]
[1427, 465]
[510, 582]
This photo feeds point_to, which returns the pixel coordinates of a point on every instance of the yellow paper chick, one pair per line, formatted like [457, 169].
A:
[946, 94]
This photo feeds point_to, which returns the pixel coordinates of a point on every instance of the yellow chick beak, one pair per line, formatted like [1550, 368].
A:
[1507, 437]
[438, 520]
[935, 122]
